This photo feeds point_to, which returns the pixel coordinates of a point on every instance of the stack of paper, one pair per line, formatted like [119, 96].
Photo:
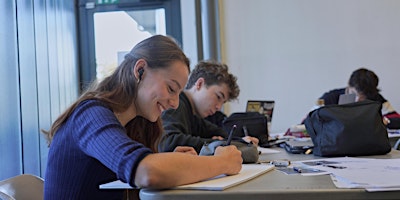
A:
[371, 174]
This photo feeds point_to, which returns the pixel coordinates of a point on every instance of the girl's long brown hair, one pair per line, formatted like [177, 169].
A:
[119, 89]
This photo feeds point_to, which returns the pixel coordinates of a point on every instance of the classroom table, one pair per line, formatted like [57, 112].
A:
[277, 185]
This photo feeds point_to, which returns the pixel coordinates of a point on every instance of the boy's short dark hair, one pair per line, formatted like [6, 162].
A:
[214, 73]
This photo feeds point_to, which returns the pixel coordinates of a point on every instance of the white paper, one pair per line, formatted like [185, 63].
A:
[115, 185]
[249, 171]
[371, 174]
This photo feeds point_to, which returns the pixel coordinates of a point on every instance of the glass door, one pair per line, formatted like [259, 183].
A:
[109, 30]
[117, 32]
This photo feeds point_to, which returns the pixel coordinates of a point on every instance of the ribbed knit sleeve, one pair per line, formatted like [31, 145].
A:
[90, 149]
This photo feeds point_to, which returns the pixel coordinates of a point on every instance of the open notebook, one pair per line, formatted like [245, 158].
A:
[249, 171]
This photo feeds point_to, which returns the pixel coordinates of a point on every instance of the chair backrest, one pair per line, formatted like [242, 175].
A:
[22, 187]
[5, 197]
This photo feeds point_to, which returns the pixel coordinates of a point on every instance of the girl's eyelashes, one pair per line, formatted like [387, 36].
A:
[171, 90]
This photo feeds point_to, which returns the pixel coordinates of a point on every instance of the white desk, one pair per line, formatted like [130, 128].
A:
[276, 185]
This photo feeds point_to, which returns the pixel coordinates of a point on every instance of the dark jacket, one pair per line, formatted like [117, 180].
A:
[183, 128]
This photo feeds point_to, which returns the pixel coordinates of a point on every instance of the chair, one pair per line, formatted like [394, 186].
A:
[22, 187]
[5, 197]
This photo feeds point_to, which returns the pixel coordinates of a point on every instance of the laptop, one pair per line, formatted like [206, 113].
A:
[265, 107]
[347, 98]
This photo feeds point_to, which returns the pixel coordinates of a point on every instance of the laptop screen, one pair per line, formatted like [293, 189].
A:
[347, 98]
[265, 107]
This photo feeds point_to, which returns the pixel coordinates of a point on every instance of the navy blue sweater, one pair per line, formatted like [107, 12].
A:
[90, 149]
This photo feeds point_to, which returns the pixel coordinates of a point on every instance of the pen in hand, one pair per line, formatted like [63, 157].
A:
[228, 142]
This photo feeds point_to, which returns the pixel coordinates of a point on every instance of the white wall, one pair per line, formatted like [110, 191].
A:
[292, 51]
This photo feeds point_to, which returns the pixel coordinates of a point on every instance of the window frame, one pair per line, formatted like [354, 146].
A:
[87, 9]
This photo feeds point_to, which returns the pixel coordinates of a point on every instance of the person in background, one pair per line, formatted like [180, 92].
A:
[210, 85]
[112, 131]
[364, 84]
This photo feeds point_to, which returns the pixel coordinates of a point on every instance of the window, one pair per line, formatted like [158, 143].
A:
[109, 29]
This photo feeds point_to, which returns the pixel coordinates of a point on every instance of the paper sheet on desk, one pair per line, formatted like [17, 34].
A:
[115, 185]
[347, 172]
[249, 171]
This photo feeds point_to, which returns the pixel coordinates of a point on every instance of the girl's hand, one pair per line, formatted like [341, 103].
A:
[232, 157]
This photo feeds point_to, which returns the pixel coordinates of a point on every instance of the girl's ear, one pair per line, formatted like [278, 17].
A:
[138, 69]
